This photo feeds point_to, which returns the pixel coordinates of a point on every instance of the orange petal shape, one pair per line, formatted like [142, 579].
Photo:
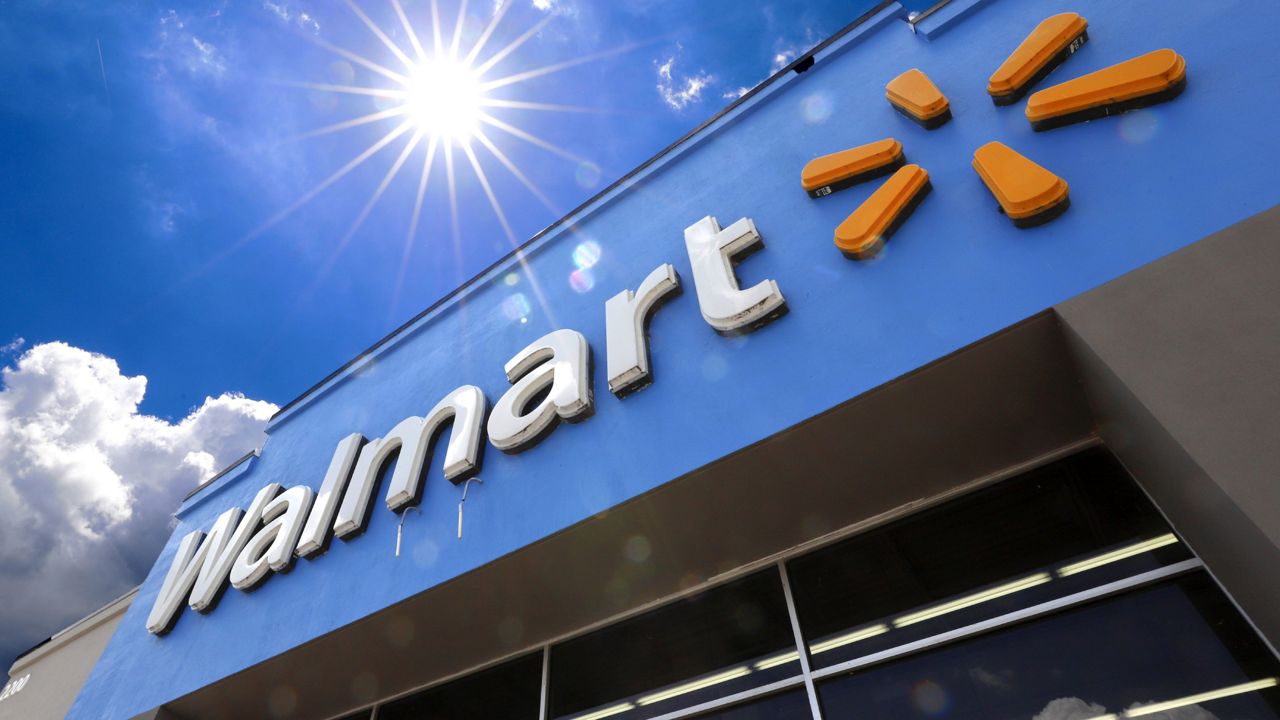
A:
[837, 171]
[1054, 40]
[863, 233]
[1028, 194]
[1145, 80]
[913, 94]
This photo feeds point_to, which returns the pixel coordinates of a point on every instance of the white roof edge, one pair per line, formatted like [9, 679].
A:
[74, 630]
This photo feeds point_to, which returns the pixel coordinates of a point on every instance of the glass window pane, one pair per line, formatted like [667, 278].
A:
[1173, 651]
[725, 640]
[510, 691]
[1066, 527]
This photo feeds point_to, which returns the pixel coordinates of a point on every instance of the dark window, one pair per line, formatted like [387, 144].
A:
[510, 691]
[725, 640]
[1069, 526]
[1173, 649]
[1179, 644]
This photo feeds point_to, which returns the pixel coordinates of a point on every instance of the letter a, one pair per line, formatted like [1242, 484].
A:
[559, 360]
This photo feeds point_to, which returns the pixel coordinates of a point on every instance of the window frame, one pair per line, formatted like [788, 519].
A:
[809, 677]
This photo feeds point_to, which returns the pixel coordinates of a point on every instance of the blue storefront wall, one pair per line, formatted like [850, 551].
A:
[1142, 186]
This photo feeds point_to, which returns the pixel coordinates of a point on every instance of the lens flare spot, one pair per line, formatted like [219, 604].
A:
[714, 367]
[426, 553]
[341, 72]
[400, 630]
[325, 102]
[1139, 126]
[511, 279]
[582, 280]
[516, 307]
[816, 108]
[586, 255]
[511, 630]
[364, 687]
[930, 698]
[587, 175]
[637, 549]
[282, 701]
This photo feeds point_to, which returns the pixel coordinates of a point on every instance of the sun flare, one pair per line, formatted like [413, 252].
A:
[443, 99]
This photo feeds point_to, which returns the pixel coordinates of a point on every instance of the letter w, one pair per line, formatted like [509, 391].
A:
[202, 563]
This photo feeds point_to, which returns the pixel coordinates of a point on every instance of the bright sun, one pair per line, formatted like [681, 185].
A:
[446, 98]
[443, 99]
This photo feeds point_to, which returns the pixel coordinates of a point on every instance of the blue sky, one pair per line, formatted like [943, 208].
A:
[154, 312]
[132, 178]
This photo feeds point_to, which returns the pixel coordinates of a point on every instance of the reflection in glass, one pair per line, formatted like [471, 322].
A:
[1177, 650]
[1061, 529]
[793, 705]
[1127, 551]
[847, 638]
[1163, 707]
[723, 641]
[961, 603]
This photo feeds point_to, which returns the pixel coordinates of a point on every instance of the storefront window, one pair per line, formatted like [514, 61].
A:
[1064, 528]
[728, 639]
[510, 691]
[1061, 594]
[793, 705]
[1174, 651]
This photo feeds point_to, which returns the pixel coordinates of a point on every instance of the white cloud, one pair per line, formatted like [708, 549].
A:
[1000, 679]
[179, 44]
[1074, 708]
[88, 483]
[300, 18]
[162, 208]
[189, 99]
[678, 90]
[12, 346]
[560, 8]
[208, 55]
[1069, 708]
[782, 59]
[166, 217]
[783, 55]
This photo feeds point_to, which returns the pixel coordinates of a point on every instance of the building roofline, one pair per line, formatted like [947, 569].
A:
[75, 629]
[234, 464]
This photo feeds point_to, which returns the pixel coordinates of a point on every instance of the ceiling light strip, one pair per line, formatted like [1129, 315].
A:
[1202, 697]
[848, 638]
[704, 683]
[607, 712]
[776, 660]
[1117, 555]
[971, 600]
